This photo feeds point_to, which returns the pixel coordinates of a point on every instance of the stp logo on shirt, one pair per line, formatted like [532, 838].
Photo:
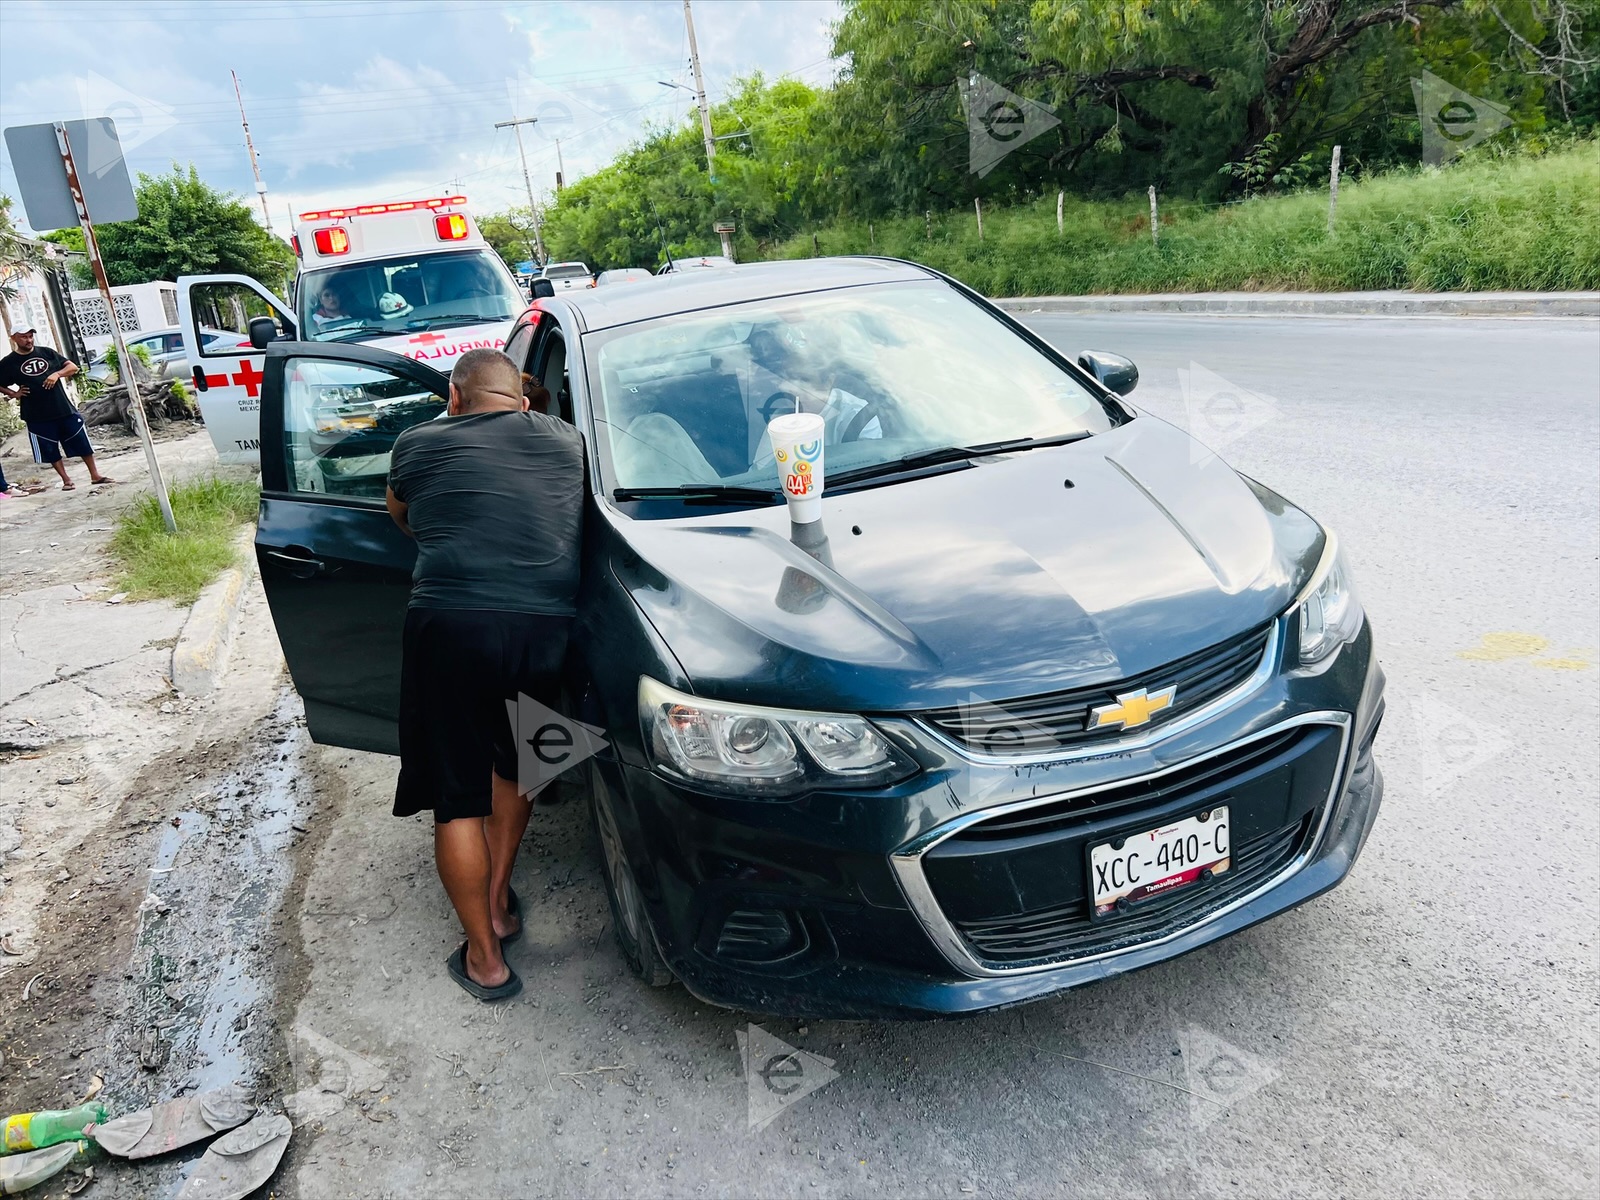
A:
[35, 366]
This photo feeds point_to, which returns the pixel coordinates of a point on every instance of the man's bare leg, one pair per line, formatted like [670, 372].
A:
[462, 856]
[503, 831]
[60, 465]
[94, 471]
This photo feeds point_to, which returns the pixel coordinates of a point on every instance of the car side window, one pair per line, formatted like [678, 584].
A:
[552, 372]
[341, 420]
[519, 343]
[230, 306]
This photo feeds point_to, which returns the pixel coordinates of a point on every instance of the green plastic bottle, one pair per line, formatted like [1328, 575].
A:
[31, 1131]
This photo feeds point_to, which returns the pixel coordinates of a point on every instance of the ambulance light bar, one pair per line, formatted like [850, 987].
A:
[365, 210]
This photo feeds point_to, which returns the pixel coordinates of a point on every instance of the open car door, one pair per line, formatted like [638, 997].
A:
[336, 568]
[214, 313]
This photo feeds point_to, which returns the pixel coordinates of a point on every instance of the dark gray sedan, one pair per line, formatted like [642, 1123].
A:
[1049, 693]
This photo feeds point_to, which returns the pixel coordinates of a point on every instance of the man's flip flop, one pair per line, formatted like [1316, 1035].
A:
[69, 487]
[515, 909]
[456, 964]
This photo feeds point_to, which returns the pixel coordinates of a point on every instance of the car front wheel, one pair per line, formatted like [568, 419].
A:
[628, 918]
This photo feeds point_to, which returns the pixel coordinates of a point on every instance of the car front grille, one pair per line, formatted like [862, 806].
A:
[1060, 720]
[1014, 886]
[1068, 931]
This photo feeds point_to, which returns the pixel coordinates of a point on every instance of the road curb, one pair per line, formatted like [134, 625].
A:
[201, 654]
[1311, 304]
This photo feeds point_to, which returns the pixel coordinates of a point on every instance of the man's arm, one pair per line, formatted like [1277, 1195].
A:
[397, 509]
[66, 370]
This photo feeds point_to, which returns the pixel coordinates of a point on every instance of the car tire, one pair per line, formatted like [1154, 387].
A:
[629, 921]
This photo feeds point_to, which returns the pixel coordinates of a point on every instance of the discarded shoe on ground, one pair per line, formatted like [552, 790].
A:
[19, 1172]
[239, 1162]
[174, 1124]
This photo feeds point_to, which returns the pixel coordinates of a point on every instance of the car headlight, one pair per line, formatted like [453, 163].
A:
[1330, 613]
[763, 751]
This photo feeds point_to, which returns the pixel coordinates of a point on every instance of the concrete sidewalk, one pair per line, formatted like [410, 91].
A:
[1323, 304]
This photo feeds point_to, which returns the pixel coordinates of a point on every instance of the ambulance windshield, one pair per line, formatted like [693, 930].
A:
[383, 297]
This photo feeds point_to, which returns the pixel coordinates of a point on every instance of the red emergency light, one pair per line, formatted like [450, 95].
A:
[451, 227]
[294, 242]
[332, 241]
[367, 210]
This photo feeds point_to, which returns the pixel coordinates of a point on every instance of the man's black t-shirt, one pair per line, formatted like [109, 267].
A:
[496, 504]
[29, 371]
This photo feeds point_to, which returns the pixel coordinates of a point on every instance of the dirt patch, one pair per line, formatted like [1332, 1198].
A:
[159, 974]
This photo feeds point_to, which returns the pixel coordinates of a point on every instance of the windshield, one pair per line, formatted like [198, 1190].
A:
[566, 271]
[406, 294]
[893, 369]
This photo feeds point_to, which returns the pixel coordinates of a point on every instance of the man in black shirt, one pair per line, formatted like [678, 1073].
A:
[33, 375]
[493, 494]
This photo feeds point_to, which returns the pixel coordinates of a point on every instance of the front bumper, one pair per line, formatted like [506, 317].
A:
[826, 908]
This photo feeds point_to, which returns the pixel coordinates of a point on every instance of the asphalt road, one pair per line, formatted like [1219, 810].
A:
[1427, 1029]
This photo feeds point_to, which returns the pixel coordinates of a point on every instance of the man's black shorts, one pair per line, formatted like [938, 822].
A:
[55, 438]
[460, 669]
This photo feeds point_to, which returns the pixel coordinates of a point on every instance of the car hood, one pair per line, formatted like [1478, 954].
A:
[1047, 569]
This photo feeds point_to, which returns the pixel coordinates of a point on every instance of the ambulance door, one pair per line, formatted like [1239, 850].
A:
[214, 314]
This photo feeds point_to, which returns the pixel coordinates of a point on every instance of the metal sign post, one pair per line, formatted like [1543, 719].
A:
[124, 359]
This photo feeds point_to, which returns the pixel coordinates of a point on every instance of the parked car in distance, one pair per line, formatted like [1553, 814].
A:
[679, 265]
[623, 275]
[165, 347]
[568, 276]
[1049, 693]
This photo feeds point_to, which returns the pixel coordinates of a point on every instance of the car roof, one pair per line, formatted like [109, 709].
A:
[692, 290]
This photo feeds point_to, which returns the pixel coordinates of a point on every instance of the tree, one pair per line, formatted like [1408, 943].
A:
[511, 235]
[186, 227]
[17, 256]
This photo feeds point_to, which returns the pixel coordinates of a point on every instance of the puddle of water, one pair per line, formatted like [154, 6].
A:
[204, 965]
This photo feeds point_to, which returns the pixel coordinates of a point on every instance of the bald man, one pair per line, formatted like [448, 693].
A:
[493, 495]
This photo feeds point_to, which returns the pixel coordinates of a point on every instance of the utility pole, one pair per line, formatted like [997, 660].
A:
[516, 124]
[255, 165]
[561, 167]
[705, 114]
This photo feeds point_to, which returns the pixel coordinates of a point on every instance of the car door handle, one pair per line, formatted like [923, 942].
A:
[200, 382]
[299, 562]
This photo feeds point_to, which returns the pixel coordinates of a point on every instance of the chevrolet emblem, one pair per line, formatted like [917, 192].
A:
[1132, 709]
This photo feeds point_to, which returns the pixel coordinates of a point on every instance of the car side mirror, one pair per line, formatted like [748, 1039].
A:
[262, 331]
[541, 289]
[1112, 370]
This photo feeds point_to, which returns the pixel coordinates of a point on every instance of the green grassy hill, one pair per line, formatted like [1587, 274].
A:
[1523, 222]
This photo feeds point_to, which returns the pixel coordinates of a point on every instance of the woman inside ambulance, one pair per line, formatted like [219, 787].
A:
[332, 306]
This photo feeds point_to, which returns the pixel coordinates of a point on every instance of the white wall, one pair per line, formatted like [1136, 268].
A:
[141, 308]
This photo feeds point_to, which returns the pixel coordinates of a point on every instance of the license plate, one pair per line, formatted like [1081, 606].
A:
[1159, 860]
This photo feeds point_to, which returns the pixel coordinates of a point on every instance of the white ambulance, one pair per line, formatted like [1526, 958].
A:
[415, 278]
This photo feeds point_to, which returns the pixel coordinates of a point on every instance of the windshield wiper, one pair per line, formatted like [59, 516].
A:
[344, 331]
[951, 456]
[946, 453]
[424, 322]
[699, 491]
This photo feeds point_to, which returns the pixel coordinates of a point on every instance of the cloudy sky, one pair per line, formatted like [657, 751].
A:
[354, 102]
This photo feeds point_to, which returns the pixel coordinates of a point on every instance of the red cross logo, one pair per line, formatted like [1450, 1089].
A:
[427, 339]
[217, 380]
[248, 377]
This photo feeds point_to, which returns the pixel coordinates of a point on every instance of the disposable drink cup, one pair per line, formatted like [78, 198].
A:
[797, 447]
